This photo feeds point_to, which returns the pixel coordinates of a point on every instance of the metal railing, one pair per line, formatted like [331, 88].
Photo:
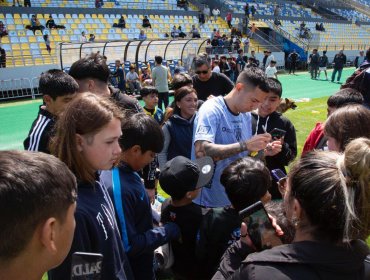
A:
[295, 40]
[17, 88]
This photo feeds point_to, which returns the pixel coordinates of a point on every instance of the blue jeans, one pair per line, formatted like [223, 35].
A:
[335, 72]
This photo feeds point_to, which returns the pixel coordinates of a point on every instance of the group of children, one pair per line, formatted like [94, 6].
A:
[114, 213]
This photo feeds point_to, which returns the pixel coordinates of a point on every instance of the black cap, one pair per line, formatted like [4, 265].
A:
[181, 175]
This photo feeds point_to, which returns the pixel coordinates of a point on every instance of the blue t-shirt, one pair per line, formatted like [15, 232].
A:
[215, 123]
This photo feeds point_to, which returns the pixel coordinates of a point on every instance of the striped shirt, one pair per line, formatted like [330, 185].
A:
[40, 133]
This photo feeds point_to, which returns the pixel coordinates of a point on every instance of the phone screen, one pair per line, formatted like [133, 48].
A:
[86, 266]
[260, 229]
[278, 174]
[277, 133]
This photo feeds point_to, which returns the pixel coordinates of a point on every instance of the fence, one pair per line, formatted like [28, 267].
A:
[19, 88]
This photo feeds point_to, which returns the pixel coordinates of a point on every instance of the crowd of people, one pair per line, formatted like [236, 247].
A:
[87, 180]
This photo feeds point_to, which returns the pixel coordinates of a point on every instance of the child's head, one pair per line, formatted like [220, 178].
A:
[92, 74]
[37, 198]
[150, 97]
[216, 62]
[132, 68]
[141, 139]
[246, 181]
[87, 135]
[343, 98]
[180, 80]
[272, 63]
[58, 88]
[272, 100]
[182, 178]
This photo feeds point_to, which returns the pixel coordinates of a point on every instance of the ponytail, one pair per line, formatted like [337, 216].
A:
[356, 165]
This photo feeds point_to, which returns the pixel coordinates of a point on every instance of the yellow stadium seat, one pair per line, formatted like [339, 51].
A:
[94, 16]
[19, 21]
[68, 16]
[38, 61]
[81, 16]
[17, 53]
[21, 33]
[26, 52]
[38, 33]
[32, 39]
[5, 40]
[11, 27]
[25, 46]
[16, 47]
[16, 16]
[54, 32]
[28, 61]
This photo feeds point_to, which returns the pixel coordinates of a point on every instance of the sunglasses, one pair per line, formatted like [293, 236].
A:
[201, 72]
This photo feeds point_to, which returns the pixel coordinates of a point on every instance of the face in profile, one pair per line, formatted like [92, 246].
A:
[101, 150]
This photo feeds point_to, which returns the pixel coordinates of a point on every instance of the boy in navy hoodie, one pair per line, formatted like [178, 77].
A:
[141, 139]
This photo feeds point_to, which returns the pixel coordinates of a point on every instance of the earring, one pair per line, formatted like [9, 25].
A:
[295, 221]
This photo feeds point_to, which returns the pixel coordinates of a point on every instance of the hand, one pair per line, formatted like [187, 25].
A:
[258, 142]
[273, 148]
[278, 230]
[244, 236]
[151, 195]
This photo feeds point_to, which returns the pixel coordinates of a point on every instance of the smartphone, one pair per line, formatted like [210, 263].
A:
[277, 133]
[260, 228]
[278, 174]
[86, 266]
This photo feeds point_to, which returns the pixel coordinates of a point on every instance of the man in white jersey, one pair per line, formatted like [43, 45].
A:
[223, 131]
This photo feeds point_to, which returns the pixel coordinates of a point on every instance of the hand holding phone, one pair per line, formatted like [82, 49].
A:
[277, 133]
[260, 229]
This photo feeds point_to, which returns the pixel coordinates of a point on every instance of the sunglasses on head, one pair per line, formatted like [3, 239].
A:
[201, 72]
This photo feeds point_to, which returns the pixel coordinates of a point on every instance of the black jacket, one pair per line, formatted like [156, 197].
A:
[339, 61]
[41, 131]
[289, 149]
[306, 260]
[124, 102]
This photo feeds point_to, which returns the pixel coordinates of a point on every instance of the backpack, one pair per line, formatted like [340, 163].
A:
[360, 80]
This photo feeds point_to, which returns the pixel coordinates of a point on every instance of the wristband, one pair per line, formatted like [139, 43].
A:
[242, 146]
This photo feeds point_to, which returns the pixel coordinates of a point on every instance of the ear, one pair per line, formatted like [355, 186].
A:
[297, 209]
[80, 141]
[189, 195]
[239, 86]
[47, 99]
[136, 149]
[48, 234]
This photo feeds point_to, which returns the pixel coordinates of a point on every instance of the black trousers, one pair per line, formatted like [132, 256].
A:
[163, 98]
[293, 65]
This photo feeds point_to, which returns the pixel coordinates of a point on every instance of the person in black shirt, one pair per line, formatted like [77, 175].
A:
[339, 61]
[146, 22]
[51, 24]
[2, 58]
[92, 74]
[208, 83]
[121, 23]
[293, 58]
[182, 179]
[281, 151]
[58, 89]
[314, 63]
[323, 63]
[246, 181]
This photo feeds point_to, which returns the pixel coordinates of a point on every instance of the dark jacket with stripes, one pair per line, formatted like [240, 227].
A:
[40, 133]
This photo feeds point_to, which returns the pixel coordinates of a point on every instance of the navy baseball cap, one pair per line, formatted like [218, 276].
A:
[181, 175]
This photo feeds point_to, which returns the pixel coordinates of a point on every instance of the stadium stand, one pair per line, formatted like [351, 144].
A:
[267, 8]
[30, 49]
[336, 36]
[352, 15]
[132, 4]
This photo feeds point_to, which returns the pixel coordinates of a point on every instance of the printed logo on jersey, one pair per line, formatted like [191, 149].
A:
[203, 129]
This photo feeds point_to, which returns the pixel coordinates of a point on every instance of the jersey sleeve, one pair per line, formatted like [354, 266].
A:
[208, 121]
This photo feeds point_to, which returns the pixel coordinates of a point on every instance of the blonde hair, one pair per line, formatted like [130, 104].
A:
[356, 161]
[333, 189]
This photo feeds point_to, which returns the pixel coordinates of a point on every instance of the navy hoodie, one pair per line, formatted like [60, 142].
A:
[142, 238]
[96, 232]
